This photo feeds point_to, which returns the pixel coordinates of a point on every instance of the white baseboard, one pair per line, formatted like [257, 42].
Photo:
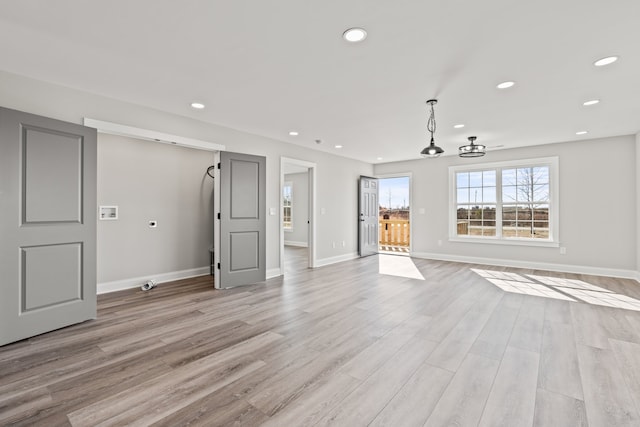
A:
[563, 268]
[298, 244]
[334, 259]
[273, 272]
[135, 282]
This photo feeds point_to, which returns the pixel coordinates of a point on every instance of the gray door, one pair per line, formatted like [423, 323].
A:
[368, 218]
[242, 219]
[47, 224]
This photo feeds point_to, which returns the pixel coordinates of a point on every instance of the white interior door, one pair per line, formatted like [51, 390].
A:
[47, 223]
[368, 216]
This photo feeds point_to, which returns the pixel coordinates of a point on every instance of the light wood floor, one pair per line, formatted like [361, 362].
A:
[340, 345]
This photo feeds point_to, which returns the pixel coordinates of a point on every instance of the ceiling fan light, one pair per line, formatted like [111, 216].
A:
[472, 149]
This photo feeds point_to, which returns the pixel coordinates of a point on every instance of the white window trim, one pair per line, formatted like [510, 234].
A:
[554, 201]
[290, 228]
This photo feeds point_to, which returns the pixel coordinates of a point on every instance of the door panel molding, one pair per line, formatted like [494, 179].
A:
[51, 192]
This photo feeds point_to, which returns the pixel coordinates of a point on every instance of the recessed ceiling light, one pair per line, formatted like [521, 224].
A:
[197, 105]
[582, 132]
[338, 146]
[293, 133]
[605, 61]
[591, 102]
[378, 158]
[505, 85]
[460, 126]
[354, 35]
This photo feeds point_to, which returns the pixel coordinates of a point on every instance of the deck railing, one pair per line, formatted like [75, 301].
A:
[394, 232]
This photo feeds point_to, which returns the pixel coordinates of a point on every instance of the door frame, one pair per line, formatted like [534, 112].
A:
[183, 141]
[216, 220]
[312, 169]
[411, 209]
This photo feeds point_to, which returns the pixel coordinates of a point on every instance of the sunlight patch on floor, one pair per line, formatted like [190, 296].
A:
[558, 288]
[401, 266]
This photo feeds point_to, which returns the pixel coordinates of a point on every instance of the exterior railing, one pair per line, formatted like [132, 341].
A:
[394, 232]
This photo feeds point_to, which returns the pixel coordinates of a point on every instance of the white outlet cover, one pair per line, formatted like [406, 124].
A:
[272, 211]
[108, 213]
[421, 211]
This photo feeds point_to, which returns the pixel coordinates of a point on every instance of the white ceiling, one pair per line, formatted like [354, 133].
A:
[268, 67]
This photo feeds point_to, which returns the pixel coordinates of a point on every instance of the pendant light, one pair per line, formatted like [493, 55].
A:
[471, 149]
[432, 150]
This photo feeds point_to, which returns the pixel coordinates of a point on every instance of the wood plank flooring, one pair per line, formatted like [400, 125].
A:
[341, 345]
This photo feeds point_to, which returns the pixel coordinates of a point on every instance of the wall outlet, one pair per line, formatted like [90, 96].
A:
[422, 211]
[323, 211]
[344, 244]
[108, 212]
[439, 242]
[333, 244]
[563, 251]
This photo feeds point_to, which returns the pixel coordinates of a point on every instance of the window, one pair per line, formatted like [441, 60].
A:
[287, 199]
[509, 202]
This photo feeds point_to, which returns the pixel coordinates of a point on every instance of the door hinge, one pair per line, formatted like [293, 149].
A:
[218, 266]
[218, 215]
[219, 166]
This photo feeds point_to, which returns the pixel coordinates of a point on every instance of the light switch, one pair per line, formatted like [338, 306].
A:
[421, 211]
[323, 211]
[272, 211]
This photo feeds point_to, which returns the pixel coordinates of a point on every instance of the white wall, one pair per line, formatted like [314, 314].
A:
[299, 234]
[336, 189]
[151, 181]
[597, 208]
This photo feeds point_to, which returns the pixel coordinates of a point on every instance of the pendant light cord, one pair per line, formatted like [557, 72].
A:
[431, 123]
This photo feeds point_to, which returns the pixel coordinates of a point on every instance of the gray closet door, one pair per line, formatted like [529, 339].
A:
[242, 219]
[47, 224]
[368, 230]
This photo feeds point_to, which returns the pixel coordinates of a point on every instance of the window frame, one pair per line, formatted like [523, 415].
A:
[554, 202]
[285, 185]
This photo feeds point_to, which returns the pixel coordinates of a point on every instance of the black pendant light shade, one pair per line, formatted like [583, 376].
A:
[471, 149]
[432, 150]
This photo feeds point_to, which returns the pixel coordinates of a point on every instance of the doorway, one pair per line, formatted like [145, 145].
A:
[297, 227]
[394, 214]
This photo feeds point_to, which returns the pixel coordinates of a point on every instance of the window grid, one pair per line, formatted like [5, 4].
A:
[287, 201]
[513, 204]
